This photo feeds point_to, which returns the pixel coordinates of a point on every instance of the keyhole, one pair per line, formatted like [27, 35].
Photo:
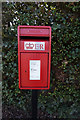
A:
[25, 71]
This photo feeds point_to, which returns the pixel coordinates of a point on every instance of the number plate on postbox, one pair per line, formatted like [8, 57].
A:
[34, 45]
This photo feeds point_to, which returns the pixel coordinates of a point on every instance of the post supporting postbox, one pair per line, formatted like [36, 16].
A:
[34, 104]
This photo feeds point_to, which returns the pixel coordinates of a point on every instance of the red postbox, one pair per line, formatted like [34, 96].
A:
[34, 57]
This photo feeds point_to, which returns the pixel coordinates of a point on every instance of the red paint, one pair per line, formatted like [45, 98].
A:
[34, 34]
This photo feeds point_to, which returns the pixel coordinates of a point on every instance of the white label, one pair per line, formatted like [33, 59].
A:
[34, 69]
[34, 45]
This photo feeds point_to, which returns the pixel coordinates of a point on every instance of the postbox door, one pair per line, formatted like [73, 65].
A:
[34, 70]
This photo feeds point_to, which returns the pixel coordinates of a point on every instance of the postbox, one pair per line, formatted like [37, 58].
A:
[34, 57]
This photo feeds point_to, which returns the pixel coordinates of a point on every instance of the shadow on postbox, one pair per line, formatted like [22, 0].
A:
[34, 57]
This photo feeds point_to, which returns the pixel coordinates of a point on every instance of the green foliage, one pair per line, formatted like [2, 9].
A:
[62, 99]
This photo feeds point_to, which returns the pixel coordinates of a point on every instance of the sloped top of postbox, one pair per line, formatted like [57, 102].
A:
[41, 31]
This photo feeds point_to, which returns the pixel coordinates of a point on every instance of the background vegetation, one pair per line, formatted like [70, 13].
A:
[62, 100]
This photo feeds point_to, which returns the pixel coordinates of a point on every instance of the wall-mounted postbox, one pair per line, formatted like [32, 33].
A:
[34, 57]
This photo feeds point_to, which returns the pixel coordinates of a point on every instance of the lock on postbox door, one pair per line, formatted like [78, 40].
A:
[34, 57]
